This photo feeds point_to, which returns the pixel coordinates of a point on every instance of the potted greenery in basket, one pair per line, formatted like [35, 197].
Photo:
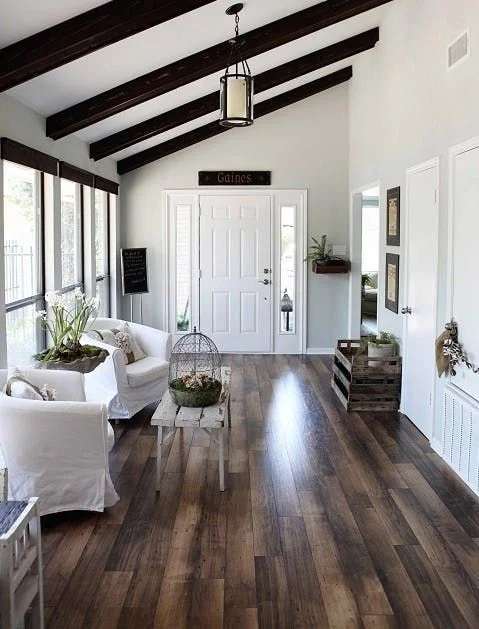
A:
[66, 324]
[323, 261]
[381, 345]
[195, 389]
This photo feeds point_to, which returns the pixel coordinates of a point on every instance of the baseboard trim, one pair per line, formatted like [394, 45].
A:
[320, 350]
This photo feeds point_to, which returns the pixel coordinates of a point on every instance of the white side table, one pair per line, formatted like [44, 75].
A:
[21, 580]
[211, 419]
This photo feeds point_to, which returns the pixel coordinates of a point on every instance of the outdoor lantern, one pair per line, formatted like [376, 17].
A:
[236, 85]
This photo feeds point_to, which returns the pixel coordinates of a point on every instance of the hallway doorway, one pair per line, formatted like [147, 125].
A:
[369, 260]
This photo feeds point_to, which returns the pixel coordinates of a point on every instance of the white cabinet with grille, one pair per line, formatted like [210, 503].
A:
[21, 583]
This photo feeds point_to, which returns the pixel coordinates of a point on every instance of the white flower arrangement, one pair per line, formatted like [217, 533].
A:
[197, 381]
[66, 324]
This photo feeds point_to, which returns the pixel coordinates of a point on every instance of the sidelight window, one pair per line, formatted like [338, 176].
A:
[183, 268]
[288, 270]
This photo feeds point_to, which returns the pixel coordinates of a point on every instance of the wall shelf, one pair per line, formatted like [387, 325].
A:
[331, 266]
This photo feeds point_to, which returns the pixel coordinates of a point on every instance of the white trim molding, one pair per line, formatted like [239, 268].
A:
[320, 351]
[355, 255]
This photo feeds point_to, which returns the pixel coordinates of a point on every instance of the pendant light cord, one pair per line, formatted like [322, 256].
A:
[235, 50]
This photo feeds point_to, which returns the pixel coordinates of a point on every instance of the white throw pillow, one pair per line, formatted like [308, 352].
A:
[123, 338]
[19, 387]
[131, 344]
[107, 336]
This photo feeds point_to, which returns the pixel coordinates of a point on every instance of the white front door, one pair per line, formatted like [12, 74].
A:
[235, 271]
[420, 295]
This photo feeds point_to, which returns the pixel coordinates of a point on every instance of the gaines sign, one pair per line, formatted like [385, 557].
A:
[234, 178]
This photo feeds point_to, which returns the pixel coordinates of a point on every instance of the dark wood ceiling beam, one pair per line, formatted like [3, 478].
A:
[83, 34]
[203, 63]
[205, 105]
[213, 128]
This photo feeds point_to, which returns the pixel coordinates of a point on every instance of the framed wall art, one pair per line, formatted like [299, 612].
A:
[393, 216]
[391, 300]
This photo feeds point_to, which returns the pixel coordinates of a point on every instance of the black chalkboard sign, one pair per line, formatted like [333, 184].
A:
[134, 273]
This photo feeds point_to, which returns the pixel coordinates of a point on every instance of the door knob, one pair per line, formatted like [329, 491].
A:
[265, 282]
[406, 310]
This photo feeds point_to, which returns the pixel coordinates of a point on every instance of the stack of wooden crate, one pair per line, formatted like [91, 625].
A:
[364, 383]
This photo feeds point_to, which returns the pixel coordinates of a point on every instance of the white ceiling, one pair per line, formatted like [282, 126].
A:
[21, 18]
[155, 48]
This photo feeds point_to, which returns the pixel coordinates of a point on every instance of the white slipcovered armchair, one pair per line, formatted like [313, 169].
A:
[57, 450]
[126, 389]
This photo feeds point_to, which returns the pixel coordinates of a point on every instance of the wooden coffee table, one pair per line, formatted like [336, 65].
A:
[211, 419]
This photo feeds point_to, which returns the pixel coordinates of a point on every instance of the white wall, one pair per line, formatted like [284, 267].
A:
[406, 107]
[19, 122]
[305, 146]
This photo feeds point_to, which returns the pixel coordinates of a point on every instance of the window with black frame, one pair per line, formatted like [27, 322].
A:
[71, 212]
[47, 247]
[102, 252]
[24, 261]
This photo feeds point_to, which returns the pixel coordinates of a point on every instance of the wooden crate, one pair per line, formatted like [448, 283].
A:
[365, 383]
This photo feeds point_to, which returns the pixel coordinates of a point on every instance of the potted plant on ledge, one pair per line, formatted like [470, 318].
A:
[66, 324]
[381, 345]
[322, 261]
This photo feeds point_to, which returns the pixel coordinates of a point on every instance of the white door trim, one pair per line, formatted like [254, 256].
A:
[417, 168]
[276, 199]
[454, 151]
[355, 253]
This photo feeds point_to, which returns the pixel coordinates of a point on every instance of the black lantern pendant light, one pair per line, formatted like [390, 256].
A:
[236, 86]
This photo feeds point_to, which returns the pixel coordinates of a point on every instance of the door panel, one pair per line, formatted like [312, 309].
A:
[235, 248]
[248, 313]
[465, 259]
[421, 283]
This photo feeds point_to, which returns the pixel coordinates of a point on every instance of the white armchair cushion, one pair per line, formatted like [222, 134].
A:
[146, 370]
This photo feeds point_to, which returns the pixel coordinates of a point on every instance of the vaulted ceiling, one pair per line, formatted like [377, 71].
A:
[138, 79]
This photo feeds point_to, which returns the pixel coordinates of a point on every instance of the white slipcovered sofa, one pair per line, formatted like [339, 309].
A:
[126, 389]
[57, 450]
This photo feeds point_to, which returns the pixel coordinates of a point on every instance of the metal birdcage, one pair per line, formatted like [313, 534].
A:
[195, 371]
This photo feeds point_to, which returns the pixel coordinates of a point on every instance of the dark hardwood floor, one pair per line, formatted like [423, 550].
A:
[329, 520]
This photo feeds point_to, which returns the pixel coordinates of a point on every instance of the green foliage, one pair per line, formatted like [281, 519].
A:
[366, 280]
[68, 352]
[318, 251]
[182, 322]
[195, 382]
[19, 193]
[382, 338]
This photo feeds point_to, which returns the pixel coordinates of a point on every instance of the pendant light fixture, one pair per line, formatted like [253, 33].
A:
[236, 85]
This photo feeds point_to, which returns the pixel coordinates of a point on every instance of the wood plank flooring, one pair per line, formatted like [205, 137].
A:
[329, 520]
